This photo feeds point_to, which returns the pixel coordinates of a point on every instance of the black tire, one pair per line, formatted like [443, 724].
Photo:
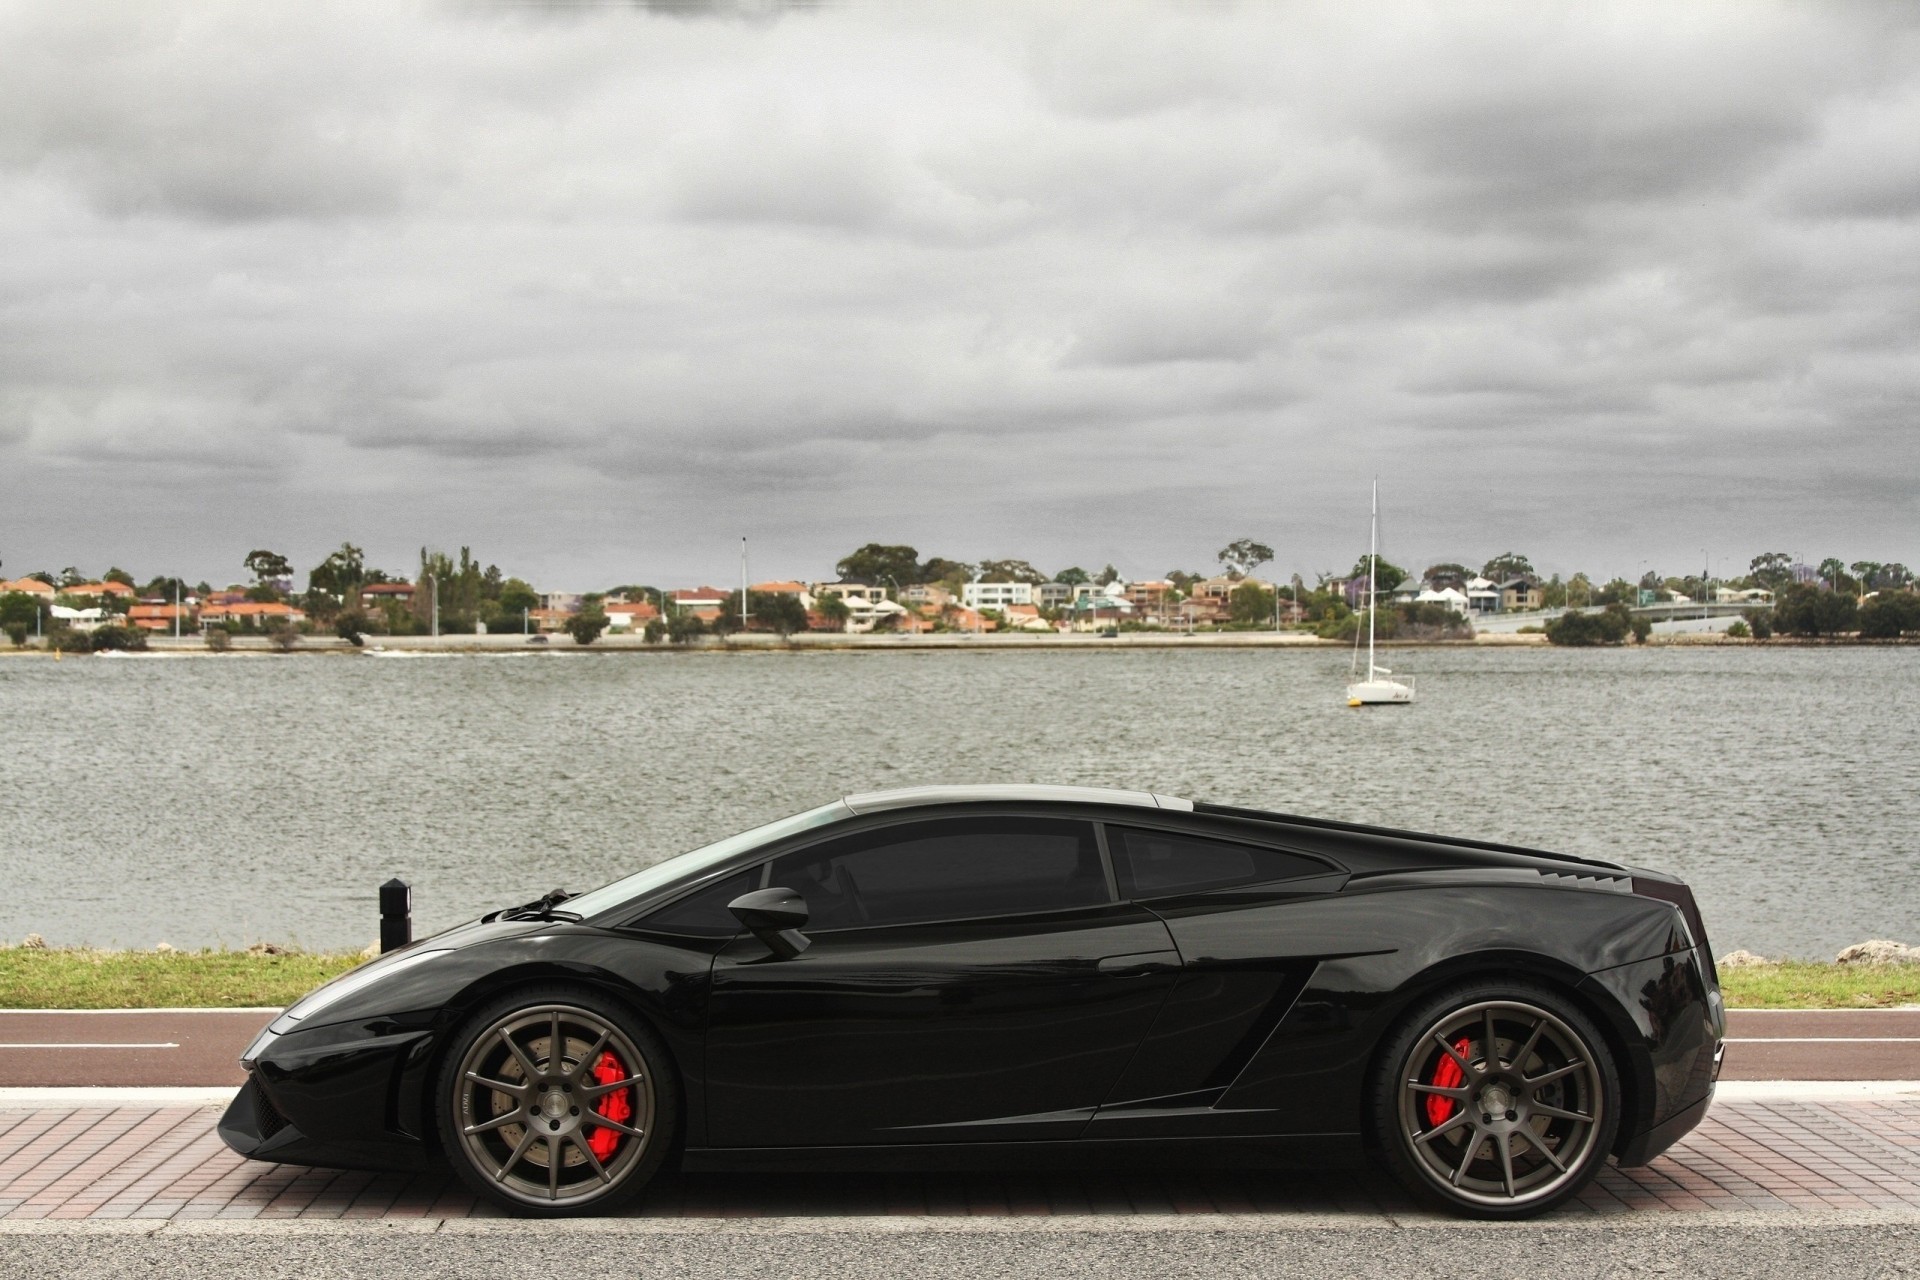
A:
[1508, 1138]
[540, 1139]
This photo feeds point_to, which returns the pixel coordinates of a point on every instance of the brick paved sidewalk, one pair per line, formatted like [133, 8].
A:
[142, 1163]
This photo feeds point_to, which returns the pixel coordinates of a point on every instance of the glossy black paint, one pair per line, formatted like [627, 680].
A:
[1233, 1026]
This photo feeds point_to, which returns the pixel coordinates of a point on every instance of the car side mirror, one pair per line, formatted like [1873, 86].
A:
[775, 916]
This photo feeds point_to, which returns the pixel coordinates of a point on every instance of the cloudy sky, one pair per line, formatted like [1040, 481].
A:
[598, 288]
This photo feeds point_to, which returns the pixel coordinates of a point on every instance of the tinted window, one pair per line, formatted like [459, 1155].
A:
[956, 869]
[703, 913]
[1157, 864]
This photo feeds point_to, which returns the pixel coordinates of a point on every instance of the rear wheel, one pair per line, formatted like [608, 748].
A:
[1496, 1100]
[556, 1101]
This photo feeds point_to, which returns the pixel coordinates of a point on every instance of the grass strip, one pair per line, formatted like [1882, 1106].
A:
[79, 978]
[1805, 984]
[82, 978]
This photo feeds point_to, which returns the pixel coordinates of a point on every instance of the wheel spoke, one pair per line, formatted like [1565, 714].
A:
[520, 1149]
[1533, 1140]
[584, 1069]
[1504, 1146]
[1533, 1042]
[593, 1161]
[499, 1086]
[1547, 1077]
[520, 1056]
[487, 1126]
[591, 1092]
[1460, 1093]
[556, 1048]
[556, 1149]
[1541, 1109]
[1455, 1054]
[595, 1118]
[1466, 1157]
[1491, 1046]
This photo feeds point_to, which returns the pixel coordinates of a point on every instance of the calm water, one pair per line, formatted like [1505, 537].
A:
[203, 800]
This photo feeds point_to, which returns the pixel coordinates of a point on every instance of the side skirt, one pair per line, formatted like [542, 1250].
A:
[1302, 1151]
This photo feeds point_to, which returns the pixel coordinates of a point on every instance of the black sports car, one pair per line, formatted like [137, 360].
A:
[969, 977]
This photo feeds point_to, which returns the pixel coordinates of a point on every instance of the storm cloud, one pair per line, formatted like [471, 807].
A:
[597, 289]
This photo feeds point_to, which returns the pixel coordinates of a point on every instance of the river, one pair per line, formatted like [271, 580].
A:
[203, 800]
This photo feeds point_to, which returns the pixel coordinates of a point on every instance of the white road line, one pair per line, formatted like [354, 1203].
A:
[179, 1009]
[29, 1098]
[73, 1044]
[1823, 1039]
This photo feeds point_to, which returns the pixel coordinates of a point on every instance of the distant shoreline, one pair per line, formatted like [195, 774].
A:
[378, 646]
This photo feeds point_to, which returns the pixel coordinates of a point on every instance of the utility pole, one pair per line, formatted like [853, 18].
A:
[743, 582]
[434, 578]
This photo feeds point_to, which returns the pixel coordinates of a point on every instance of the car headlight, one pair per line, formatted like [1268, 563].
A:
[355, 980]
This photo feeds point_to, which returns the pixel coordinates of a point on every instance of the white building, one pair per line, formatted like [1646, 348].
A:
[1482, 596]
[995, 595]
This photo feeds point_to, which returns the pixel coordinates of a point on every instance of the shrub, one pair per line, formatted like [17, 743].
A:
[67, 640]
[1738, 631]
[1760, 622]
[284, 638]
[116, 638]
[1888, 616]
[586, 627]
[218, 639]
[351, 627]
[1582, 630]
[1805, 610]
[655, 630]
[1641, 629]
[17, 632]
[683, 627]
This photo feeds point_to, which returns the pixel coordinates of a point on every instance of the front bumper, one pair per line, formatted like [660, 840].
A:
[256, 1129]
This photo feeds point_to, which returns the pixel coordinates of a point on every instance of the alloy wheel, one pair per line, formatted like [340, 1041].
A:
[1501, 1104]
[554, 1104]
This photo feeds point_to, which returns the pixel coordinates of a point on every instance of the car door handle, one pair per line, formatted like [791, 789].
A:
[1140, 962]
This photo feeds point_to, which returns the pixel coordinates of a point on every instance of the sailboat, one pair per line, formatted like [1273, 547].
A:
[1379, 689]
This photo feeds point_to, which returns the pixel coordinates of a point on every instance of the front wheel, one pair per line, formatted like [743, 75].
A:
[556, 1101]
[1496, 1100]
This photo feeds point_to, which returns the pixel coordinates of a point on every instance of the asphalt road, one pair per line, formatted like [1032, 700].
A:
[202, 1047]
[1776, 1245]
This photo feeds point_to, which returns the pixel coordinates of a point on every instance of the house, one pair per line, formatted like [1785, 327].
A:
[1149, 595]
[1747, 595]
[632, 616]
[100, 591]
[1026, 617]
[1094, 612]
[928, 593]
[1519, 594]
[160, 617]
[78, 619]
[28, 586]
[382, 592]
[995, 595]
[1482, 596]
[567, 602]
[259, 613]
[798, 590]
[703, 603]
[850, 591]
[961, 618]
[1053, 595]
[1452, 597]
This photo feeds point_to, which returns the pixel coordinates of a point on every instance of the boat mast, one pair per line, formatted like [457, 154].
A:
[1373, 571]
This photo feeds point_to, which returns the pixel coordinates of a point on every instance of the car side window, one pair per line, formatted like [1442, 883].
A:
[950, 869]
[1160, 864]
[703, 913]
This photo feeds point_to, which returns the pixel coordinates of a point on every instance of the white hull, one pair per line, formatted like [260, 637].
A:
[1379, 693]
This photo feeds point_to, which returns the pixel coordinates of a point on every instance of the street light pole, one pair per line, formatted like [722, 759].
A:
[434, 578]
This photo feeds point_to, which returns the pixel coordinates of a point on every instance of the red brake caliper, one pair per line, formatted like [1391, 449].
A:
[614, 1106]
[1447, 1075]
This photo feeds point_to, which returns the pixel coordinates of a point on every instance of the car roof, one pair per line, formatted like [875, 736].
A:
[914, 797]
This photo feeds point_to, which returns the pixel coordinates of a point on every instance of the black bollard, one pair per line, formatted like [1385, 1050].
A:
[396, 914]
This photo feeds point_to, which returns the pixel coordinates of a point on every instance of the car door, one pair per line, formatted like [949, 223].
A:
[968, 978]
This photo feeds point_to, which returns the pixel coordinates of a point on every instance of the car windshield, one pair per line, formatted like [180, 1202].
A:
[694, 861]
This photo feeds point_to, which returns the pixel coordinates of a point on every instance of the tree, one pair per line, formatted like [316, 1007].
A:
[1864, 572]
[17, 608]
[875, 563]
[515, 598]
[267, 566]
[1508, 564]
[1611, 625]
[335, 582]
[1617, 591]
[17, 632]
[948, 573]
[351, 627]
[1889, 616]
[1771, 569]
[1894, 577]
[1759, 623]
[1072, 577]
[1106, 577]
[834, 610]
[585, 626]
[1010, 571]
[683, 627]
[1802, 609]
[780, 610]
[1447, 574]
[1833, 570]
[1252, 604]
[1242, 556]
[1387, 576]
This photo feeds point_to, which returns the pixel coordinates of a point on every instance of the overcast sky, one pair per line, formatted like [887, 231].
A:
[598, 289]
